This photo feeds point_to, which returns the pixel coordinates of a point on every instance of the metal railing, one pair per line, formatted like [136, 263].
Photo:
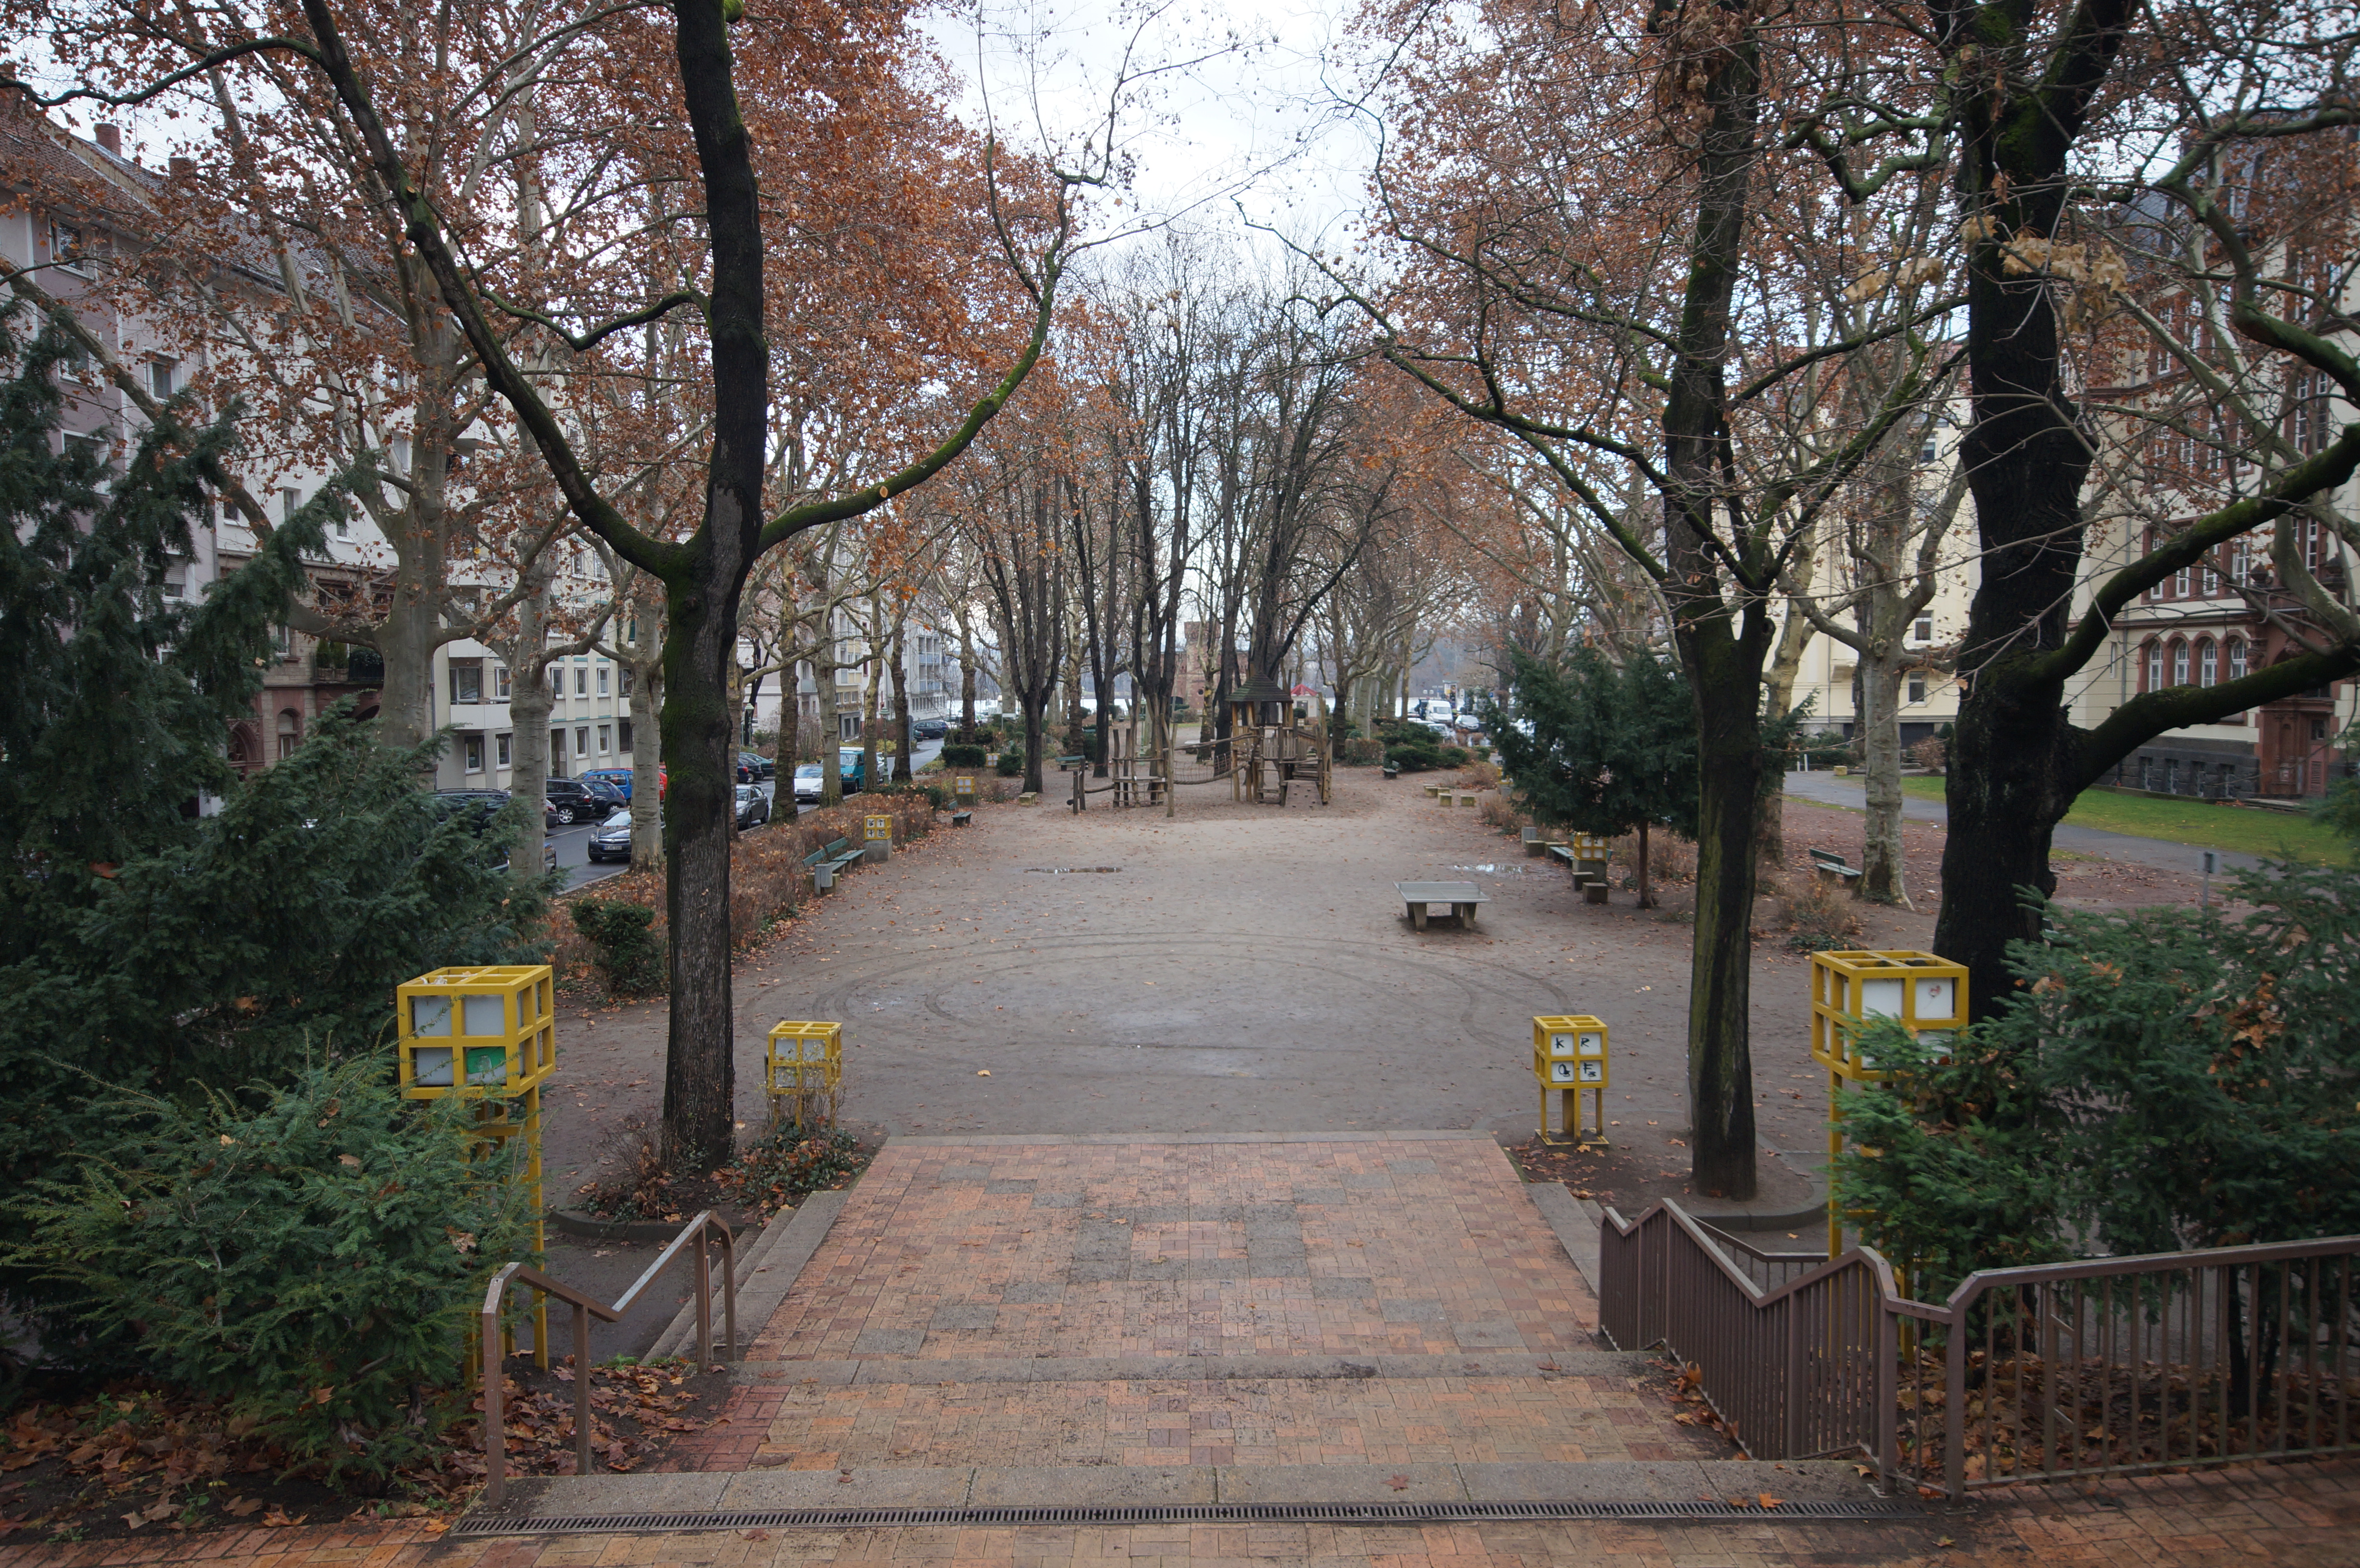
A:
[2104, 1366]
[692, 1238]
[2119, 1365]
[1798, 1368]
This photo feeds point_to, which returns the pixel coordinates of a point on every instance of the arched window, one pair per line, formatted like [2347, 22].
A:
[2154, 667]
[2178, 663]
[291, 730]
[2208, 663]
[2237, 658]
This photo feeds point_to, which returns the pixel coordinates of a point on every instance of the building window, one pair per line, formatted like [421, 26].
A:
[602, 680]
[2179, 584]
[2208, 663]
[397, 452]
[623, 734]
[1917, 687]
[1924, 629]
[289, 503]
[2154, 667]
[502, 749]
[290, 733]
[68, 249]
[604, 734]
[2210, 583]
[557, 685]
[581, 741]
[2237, 658]
[466, 682]
[474, 749]
[582, 682]
[2241, 562]
[626, 681]
[500, 685]
[557, 753]
[2307, 426]
[2180, 664]
[159, 376]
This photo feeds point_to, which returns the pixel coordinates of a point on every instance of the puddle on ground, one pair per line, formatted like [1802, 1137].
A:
[1069, 870]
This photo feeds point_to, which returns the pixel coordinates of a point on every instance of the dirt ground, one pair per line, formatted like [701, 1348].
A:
[1243, 968]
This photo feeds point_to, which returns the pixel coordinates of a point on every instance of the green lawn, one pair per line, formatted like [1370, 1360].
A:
[2194, 823]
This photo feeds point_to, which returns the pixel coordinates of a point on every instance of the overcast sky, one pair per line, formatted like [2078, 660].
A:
[1244, 118]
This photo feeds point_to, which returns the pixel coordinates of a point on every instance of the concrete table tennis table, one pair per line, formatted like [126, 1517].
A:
[1463, 897]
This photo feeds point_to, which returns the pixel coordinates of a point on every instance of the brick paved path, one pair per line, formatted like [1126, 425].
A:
[1347, 1316]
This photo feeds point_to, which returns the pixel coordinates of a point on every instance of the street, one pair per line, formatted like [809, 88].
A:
[573, 844]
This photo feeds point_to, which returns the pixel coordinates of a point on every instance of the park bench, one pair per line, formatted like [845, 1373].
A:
[1068, 764]
[1392, 770]
[961, 819]
[829, 859]
[1590, 875]
[1833, 870]
[1463, 897]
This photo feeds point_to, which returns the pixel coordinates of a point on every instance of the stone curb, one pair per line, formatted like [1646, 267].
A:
[1575, 1223]
[765, 1273]
[888, 1372]
[1056, 1139]
[1666, 1481]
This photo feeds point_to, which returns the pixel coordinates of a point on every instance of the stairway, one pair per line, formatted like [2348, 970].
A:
[1356, 1329]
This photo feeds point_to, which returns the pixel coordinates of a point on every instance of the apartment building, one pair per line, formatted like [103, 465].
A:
[69, 207]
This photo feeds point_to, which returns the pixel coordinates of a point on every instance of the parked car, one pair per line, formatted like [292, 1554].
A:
[852, 767]
[620, 779]
[613, 839]
[477, 808]
[929, 729]
[568, 800]
[753, 806]
[752, 767]
[809, 783]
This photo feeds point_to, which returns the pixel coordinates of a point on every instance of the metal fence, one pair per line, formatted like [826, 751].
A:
[2105, 1366]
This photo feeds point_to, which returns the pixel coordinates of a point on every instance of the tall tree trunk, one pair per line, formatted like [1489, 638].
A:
[1778, 699]
[903, 770]
[529, 707]
[1724, 645]
[1033, 704]
[967, 687]
[1883, 877]
[870, 683]
[1647, 889]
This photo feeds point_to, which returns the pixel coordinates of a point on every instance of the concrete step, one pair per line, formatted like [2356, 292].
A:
[1662, 1490]
[1188, 1369]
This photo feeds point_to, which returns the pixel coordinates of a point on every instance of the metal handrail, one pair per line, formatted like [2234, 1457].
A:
[705, 1223]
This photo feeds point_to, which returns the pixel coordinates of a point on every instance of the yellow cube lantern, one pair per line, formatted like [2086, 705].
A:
[804, 1071]
[1926, 995]
[963, 789]
[1569, 1055]
[877, 829]
[484, 1032]
[1588, 846]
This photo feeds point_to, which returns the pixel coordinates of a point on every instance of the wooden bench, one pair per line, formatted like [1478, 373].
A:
[1068, 764]
[827, 861]
[961, 819]
[1833, 870]
[1463, 897]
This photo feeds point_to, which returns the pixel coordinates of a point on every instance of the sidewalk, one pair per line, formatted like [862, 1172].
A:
[1830, 791]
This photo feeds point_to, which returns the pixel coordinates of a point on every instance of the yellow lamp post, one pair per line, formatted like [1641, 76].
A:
[487, 1034]
[1924, 994]
[804, 1072]
[877, 838]
[1570, 1056]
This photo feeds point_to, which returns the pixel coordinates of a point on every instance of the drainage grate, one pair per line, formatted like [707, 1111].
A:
[1169, 1513]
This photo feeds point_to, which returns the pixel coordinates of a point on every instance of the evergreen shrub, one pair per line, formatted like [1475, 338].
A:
[310, 1253]
[628, 955]
[1011, 764]
[964, 756]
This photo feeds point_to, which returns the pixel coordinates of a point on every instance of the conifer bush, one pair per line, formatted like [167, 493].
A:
[310, 1253]
[629, 957]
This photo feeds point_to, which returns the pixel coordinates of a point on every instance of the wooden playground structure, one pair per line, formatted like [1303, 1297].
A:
[1269, 750]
